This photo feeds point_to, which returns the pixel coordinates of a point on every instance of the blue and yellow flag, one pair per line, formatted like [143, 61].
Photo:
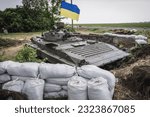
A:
[69, 10]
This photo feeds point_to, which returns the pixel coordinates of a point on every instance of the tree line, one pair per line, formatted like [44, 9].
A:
[34, 15]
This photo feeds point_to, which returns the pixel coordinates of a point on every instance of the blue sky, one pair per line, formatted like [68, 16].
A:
[104, 11]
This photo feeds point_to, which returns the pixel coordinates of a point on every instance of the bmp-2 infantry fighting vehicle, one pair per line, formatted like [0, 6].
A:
[59, 46]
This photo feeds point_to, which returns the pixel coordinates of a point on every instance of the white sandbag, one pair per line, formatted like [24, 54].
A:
[14, 86]
[51, 87]
[58, 81]
[91, 71]
[34, 89]
[77, 88]
[65, 88]
[140, 41]
[56, 71]
[140, 37]
[3, 66]
[55, 95]
[98, 89]
[4, 78]
[23, 69]
[21, 78]
[2, 70]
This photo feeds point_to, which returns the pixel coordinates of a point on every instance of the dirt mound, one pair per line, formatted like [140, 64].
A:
[11, 95]
[139, 81]
[132, 81]
[134, 75]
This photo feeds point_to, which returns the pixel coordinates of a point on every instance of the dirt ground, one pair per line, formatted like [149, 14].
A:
[123, 90]
[11, 52]
[126, 87]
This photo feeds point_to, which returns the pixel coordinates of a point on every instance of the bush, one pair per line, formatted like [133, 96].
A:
[27, 54]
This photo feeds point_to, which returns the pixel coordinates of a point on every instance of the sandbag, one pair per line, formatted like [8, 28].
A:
[58, 81]
[3, 66]
[140, 41]
[4, 78]
[91, 71]
[140, 37]
[2, 69]
[34, 89]
[77, 88]
[65, 88]
[51, 87]
[21, 78]
[55, 95]
[14, 86]
[56, 71]
[98, 89]
[23, 69]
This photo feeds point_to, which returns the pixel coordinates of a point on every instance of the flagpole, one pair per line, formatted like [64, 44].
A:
[72, 19]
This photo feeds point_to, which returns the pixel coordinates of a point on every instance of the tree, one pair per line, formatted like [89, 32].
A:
[35, 15]
[12, 20]
[35, 4]
[50, 9]
[54, 11]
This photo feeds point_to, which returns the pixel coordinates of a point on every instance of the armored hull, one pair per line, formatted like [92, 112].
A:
[75, 51]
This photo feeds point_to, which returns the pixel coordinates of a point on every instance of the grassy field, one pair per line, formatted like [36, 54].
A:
[123, 25]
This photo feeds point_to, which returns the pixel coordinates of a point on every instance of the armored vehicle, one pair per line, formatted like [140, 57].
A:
[60, 46]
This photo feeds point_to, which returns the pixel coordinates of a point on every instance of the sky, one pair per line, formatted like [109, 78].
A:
[103, 11]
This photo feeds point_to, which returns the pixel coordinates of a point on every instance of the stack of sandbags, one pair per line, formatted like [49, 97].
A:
[56, 88]
[98, 89]
[56, 78]
[34, 89]
[77, 88]
[91, 71]
[4, 77]
[28, 74]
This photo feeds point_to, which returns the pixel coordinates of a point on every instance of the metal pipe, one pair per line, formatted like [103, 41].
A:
[72, 19]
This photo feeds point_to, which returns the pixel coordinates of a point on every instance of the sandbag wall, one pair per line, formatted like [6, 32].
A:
[56, 78]
[56, 81]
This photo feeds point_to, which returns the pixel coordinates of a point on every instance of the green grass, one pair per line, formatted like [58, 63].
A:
[123, 25]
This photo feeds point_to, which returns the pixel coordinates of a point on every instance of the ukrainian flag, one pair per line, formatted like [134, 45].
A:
[69, 10]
